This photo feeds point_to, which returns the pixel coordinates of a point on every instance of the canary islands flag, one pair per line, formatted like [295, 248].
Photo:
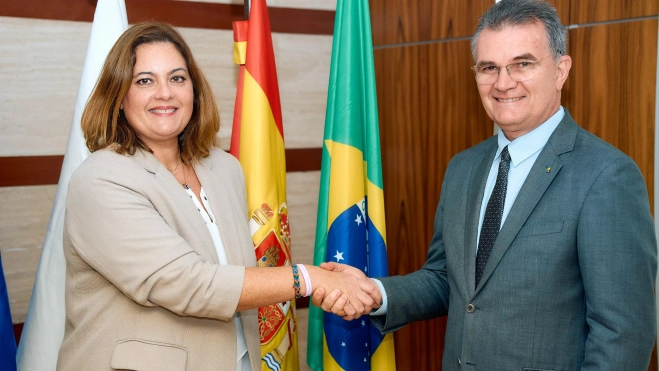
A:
[257, 141]
[351, 226]
[46, 317]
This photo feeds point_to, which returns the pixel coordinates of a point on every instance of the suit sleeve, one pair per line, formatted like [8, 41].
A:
[618, 259]
[423, 294]
[114, 229]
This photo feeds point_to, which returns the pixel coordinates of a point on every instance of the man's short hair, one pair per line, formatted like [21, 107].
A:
[518, 12]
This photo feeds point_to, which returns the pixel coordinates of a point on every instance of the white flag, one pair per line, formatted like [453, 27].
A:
[44, 326]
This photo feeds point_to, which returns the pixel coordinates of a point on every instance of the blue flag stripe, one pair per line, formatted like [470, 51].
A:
[7, 340]
[354, 241]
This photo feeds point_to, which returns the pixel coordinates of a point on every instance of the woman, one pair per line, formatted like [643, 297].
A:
[160, 263]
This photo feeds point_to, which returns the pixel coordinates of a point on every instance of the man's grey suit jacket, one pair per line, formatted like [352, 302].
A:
[569, 284]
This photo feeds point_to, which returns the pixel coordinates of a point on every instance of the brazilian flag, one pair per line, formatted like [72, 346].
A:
[351, 225]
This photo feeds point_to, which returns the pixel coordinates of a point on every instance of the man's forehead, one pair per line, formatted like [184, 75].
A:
[512, 42]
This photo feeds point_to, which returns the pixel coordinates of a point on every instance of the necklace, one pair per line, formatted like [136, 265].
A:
[185, 185]
[177, 164]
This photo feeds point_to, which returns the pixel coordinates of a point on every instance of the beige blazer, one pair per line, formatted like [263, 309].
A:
[144, 290]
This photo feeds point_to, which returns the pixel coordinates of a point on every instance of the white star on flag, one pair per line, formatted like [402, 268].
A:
[363, 323]
[343, 344]
[338, 256]
[359, 219]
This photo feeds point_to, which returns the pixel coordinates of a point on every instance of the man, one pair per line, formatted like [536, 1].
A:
[544, 253]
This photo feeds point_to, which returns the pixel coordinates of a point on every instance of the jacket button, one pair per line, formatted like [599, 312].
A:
[470, 308]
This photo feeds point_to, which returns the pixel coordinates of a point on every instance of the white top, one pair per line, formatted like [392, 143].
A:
[242, 358]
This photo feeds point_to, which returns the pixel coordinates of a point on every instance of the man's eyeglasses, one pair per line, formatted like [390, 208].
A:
[519, 71]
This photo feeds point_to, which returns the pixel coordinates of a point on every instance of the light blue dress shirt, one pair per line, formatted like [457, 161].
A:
[523, 153]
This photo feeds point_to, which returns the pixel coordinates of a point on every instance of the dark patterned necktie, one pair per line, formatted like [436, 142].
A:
[493, 214]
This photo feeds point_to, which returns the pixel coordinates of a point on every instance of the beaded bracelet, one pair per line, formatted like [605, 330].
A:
[296, 282]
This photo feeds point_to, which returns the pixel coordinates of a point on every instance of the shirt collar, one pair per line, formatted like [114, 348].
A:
[525, 146]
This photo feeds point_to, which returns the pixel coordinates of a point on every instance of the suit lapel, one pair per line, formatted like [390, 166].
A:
[216, 189]
[537, 182]
[475, 192]
[182, 201]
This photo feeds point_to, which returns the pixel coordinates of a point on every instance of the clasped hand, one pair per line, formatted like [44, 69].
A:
[345, 291]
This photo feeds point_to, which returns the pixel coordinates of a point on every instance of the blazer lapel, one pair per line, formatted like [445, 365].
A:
[216, 189]
[537, 182]
[182, 201]
[475, 192]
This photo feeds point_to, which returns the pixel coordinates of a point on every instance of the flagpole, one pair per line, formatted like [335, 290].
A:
[247, 2]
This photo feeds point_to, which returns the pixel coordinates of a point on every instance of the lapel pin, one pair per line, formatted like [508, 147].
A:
[548, 169]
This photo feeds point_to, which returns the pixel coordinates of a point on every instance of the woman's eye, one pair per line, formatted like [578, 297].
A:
[143, 81]
[178, 79]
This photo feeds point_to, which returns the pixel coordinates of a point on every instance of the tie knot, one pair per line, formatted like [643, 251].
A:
[505, 156]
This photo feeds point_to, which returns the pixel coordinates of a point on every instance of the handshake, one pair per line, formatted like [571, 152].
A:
[344, 290]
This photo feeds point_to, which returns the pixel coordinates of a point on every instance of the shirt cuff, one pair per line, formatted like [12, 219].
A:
[383, 308]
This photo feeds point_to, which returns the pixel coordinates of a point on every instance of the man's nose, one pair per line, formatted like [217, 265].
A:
[504, 81]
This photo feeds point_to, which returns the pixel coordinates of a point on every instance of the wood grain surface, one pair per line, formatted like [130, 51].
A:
[178, 13]
[587, 11]
[411, 21]
[612, 86]
[429, 110]
[404, 21]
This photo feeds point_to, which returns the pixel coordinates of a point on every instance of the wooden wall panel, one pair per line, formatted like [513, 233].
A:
[403, 21]
[24, 215]
[298, 4]
[407, 21]
[563, 9]
[611, 88]
[180, 14]
[582, 11]
[429, 110]
[41, 61]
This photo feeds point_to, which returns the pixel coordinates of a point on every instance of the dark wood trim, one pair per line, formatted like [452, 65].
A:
[30, 170]
[18, 330]
[302, 303]
[303, 159]
[45, 170]
[178, 13]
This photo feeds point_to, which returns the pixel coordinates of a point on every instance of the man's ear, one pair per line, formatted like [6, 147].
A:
[562, 71]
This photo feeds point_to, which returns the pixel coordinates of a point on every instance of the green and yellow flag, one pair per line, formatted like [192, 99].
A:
[351, 225]
[258, 142]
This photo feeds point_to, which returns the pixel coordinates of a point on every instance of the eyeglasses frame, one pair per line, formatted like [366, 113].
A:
[533, 64]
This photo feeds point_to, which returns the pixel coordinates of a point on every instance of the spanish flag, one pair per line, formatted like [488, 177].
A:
[351, 227]
[258, 142]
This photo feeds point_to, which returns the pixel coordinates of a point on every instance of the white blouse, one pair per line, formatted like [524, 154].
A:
[242, 358]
